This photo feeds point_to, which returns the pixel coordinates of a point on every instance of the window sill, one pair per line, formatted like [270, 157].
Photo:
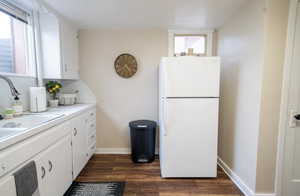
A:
[17, 75]
[197, 55]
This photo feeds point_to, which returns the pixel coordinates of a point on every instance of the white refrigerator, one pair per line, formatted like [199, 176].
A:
[188, 116]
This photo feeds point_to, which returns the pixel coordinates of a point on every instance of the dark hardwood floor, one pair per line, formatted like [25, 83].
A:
[145, 180]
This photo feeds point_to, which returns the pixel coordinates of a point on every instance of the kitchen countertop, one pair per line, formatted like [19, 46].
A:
[67, 113]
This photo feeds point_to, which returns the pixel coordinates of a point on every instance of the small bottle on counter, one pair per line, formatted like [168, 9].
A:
[9, 113]
[17, 106]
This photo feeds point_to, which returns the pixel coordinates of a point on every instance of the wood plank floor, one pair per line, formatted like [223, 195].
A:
[145, 180]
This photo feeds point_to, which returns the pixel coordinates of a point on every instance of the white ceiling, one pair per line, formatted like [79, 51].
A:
[147, 13]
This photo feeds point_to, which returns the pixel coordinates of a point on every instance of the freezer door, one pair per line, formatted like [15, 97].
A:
[188, 140]
[190, 76]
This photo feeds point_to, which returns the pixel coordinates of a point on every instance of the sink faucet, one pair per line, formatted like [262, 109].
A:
[13, 89]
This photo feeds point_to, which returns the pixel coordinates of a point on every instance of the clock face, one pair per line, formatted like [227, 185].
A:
[126, 65]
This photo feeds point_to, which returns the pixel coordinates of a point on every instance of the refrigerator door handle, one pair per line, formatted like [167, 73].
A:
[164, 116]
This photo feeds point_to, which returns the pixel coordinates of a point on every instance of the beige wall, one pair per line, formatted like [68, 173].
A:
[241, 49]
[252, 47]
[121, 100]
[276, 18]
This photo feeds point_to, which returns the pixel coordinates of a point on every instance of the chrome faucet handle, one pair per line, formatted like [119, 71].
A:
[13, 89]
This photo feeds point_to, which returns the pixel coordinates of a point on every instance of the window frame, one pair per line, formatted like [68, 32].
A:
[207, 33]
[191, 35]
[30, 46]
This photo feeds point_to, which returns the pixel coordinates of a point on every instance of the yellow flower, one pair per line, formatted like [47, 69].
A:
[57, 86]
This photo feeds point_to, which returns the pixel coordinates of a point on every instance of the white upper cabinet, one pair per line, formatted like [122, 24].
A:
[59, 40]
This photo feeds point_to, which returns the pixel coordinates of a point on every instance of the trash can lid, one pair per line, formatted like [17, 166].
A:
[142, 124]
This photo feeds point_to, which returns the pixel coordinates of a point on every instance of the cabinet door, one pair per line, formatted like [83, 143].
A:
[8, 187]
[79, 144]
[59, 47]
[50, 41]
[54, 168]
[69, 45]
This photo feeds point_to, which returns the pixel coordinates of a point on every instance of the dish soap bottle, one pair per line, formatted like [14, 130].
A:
[17, 106]
[8, 113]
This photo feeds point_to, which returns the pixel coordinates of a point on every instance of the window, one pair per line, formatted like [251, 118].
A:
[14, 40]
[182, 43]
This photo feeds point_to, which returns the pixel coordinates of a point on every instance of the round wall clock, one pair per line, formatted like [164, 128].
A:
[125, 65]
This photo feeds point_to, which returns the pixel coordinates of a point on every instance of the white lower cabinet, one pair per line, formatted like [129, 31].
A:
[60, 153]
[7, 186]
[83, 140]
[79, 144]
[54, 168]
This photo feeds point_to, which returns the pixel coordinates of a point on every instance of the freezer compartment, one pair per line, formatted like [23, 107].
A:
[190, 77]
[188, 140]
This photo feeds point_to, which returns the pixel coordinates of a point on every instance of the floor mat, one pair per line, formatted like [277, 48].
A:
[96, 189]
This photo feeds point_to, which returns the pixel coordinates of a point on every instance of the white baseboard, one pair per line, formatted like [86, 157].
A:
[265, 194]
[116, 151]
[113, 151]
[235, 178]
[239, 182]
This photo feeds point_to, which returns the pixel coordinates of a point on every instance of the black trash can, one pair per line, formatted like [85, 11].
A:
[143, 134]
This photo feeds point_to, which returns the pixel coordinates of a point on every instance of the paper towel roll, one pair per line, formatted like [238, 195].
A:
[38, 99]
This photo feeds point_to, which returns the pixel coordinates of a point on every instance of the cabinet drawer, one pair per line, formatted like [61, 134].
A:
[91, 127]
[92, 138]
[92, 115]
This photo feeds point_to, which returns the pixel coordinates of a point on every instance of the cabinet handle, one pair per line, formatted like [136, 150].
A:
[43, 172]
[75, 131]
[92, 125]
[92, 114]
[50, 166]
[93, 136]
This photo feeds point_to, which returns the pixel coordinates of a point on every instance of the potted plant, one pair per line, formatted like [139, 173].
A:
[53, 88]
